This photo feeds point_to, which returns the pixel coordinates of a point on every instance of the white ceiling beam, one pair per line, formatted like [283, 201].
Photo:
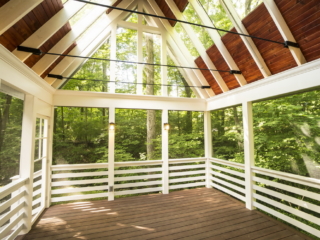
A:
[68, 39]
[215, 36]
[252, 48]
[180, 49]
[284, 30]
[52, 26]
[13, 11]
[88, 44]
[198, 45]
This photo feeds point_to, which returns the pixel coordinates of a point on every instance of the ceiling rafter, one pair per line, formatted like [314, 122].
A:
[13, 11]
[198, 45]
[68, 39]
[47, 30]
[215, 36]
[180, 48]
[233, 16]
[284, 30]
[88, 45]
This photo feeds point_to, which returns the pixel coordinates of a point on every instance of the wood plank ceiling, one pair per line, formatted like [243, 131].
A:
[302, 18]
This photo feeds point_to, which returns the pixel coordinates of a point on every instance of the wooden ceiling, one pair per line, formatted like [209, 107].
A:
[302, 18]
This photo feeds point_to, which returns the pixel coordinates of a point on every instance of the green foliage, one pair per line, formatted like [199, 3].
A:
[11, 110]
[227, 134]
[187, 41]
[186, 134]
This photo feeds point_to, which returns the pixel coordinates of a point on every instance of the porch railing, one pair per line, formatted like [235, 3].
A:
[12, 211]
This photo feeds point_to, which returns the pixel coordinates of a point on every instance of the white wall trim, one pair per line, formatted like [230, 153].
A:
[293, 80]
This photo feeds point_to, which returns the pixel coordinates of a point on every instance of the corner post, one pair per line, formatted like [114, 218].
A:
[111, 155]
[207, 145]
[248, 152]
[26, 156]
[165, 153]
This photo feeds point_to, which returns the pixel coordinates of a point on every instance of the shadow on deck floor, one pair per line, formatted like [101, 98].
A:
[189, 214]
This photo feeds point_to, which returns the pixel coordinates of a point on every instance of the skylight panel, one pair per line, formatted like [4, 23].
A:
[191, 16]
[217, 14]
[244, 7]
[185, 38]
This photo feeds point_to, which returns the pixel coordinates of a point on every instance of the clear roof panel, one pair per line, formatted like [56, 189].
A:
[185, 38]
[191, 16]
[217, 14]
[244, 7]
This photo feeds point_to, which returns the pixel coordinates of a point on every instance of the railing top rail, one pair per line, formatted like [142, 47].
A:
[182, 160]
[37, 174]
[62, 167]
[313, 182]
[11, 187]
[228, 163]
[138, 163]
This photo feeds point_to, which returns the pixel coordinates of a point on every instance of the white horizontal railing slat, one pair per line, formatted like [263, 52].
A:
[137, 171]
[11, 187]
[36, 210]
[186, 179]
[65, 167]
[230, 185]
[186, 160]
[138, 163]
[11, 201]
[79, 189]
[136, 191]
[288, 188]
[288, 219]
[233, 179]
[118, 179]
[227, 163]
[5, 217]
[197, 184]
[236, 195]
[4, 232]
[16, 232]
[240, 174]
[175, 174]
[282, 206]
[37, 174]
[37, 192]
[79, 197]
[36, 184]
[78, 182]
[35, 202]
[293, 200]
[82, 174]
[137, 184]
[187, 167]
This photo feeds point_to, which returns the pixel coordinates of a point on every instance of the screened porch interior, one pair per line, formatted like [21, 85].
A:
[159, 119]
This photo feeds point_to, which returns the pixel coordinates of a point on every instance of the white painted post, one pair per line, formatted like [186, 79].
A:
[113, 55]
[248, 152]
[26, 156]
[207, 145]
[49, 159]
[111, 154]
[165, 153]
[45, 163]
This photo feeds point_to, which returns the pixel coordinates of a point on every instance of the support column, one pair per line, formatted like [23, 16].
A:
[26, 156]
[111, 155]
[207, 145]
[165, 153]
[248, 152]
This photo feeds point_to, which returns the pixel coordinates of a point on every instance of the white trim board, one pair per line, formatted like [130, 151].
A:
[293, 80]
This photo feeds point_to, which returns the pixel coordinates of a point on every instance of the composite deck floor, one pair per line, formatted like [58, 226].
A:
[189, 214]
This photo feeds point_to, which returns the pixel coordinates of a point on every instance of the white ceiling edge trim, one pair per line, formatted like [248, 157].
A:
[296, 79]
[11, 60]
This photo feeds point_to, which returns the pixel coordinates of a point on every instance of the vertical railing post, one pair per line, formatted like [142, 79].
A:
[111, 155]
[26, 155]
[49, 159]
[207, 145]
[248, 152]
[165, 153]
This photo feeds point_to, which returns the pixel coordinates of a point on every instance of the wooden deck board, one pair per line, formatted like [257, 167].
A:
[189, 214]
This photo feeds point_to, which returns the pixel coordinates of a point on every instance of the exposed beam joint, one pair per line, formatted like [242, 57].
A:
[285, 31]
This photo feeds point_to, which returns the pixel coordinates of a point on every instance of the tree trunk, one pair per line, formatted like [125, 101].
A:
[4, 119]
[151, 114]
